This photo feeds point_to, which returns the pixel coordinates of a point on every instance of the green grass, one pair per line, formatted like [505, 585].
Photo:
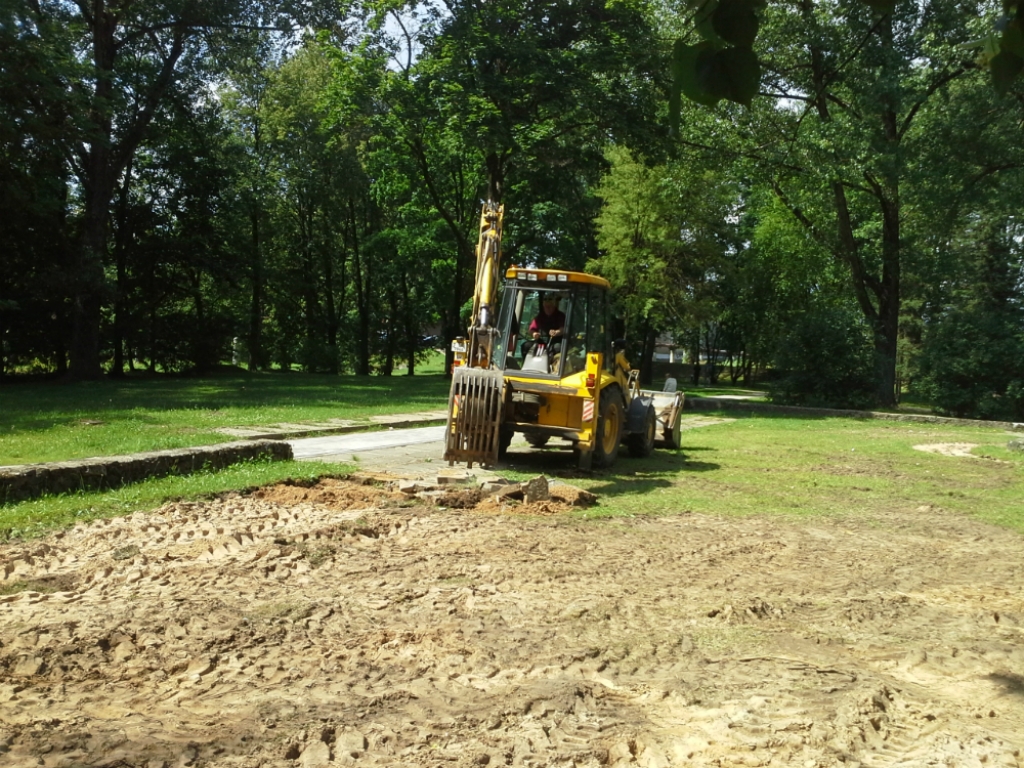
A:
[802, 467]
[36, 517]
[53, 422]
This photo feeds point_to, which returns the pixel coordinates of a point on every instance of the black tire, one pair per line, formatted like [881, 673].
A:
[611, 416]
[504, 441]
[641, 444]
[537, 441]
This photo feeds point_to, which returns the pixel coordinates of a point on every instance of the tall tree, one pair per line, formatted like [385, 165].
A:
[670, 245]
[516, 101]
[852, 86]
[128, 58]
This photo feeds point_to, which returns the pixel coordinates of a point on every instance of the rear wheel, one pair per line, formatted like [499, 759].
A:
[609, 428]
[537, 441]
[641, 444]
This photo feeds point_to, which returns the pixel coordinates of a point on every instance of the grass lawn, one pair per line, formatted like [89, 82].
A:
[754, 464]
[780, 465]
[54, 422]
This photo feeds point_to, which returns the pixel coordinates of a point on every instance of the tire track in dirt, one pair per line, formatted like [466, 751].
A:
[338, 625]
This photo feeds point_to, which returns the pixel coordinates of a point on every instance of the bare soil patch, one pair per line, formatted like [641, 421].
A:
[344, 624]
[963, 450]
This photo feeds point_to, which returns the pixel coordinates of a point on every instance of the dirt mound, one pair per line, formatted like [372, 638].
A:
[343, 624]
[331, 493]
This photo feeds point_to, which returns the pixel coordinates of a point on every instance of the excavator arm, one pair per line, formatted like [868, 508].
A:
[485, 288]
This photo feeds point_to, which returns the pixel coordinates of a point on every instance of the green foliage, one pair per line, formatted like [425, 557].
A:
[972, 366]
[825, 361]
[711, 71]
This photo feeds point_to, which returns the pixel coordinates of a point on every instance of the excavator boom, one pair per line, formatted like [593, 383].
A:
[477, 393]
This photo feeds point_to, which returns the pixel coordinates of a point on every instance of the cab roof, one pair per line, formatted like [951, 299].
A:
[557, 276]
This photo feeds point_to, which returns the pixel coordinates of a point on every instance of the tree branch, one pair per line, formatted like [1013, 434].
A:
[739, 153]
[946, 78]
[179, 24]
[408, 42]
[800, 216]
[138, 126]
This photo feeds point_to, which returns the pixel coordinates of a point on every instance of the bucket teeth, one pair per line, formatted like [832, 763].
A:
[474, 416]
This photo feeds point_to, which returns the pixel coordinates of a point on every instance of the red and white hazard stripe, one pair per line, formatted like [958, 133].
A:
[588, 410]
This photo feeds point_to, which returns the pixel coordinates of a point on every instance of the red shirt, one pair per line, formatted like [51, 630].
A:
[545, 323]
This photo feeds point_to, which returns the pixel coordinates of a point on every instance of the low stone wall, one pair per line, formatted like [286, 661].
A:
[29, 481]
[716, 404]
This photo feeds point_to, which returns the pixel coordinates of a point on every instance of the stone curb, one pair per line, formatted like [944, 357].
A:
[715, 404]
[29, 481]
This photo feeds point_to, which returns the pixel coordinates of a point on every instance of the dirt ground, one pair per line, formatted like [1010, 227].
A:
[347, 625]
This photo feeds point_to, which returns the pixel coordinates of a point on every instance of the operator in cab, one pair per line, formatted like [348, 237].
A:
[550, 320]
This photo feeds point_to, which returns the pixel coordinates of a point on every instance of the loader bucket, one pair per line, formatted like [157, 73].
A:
[668, 406]
[474, 416]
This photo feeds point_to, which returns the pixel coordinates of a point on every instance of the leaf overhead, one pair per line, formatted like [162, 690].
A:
[739, 72]
[881, 6]
[691, 65]
[736, 22]
[1012, 40]
[1005, 67]
[703, 20]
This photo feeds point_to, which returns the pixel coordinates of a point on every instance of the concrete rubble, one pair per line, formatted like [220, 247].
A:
[537, 489]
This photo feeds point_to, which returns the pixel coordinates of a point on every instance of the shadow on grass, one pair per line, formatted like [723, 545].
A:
[627, 476]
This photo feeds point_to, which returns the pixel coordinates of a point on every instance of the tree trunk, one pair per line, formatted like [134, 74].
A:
[647, 355]
[103, 160]
[121, 258]
[89, 279]
[331, 312]
[409, 326]
[361, 282]
[464, 254]
[257, 359]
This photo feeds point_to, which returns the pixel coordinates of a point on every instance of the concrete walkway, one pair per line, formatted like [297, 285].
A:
[345, 445]
[334, 426]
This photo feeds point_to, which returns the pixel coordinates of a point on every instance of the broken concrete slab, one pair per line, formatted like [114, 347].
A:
[572, 495]
[490, 489]
[514, 492]
[453, 476]
[536, 490]
[494, 479]
[416, 487]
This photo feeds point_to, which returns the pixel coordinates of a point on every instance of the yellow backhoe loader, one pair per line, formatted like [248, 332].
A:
[545, 365]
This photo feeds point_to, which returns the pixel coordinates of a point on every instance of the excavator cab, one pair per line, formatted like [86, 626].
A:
[545, 333]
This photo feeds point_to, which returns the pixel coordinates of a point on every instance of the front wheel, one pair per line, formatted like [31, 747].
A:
[641, 444]
[609, 428]
[504, 441]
